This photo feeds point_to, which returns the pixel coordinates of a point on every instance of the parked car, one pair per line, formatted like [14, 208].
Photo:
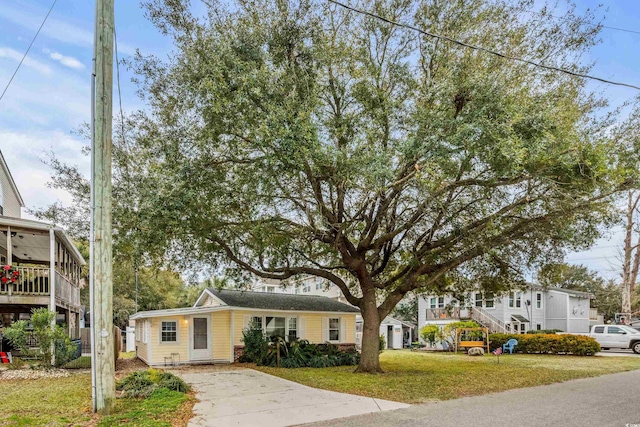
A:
[616, 336]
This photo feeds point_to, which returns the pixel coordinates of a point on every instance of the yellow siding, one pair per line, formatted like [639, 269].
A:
[313, 324]
[160, 351]
[221, 328]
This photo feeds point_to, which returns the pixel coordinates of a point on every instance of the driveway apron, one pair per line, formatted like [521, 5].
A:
[244, 397]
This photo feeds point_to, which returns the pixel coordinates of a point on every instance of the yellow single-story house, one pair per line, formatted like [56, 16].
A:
[211, 330]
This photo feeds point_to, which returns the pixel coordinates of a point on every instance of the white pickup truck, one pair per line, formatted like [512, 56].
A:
[616, 336]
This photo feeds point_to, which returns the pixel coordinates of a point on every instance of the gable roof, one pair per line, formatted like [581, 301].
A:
[275, 301]
[12, 183]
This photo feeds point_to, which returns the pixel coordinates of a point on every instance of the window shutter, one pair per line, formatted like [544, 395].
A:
[302, 328]
[325, 329]
[246, 319]
[343, 329]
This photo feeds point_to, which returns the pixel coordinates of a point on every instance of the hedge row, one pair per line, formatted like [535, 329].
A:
[578, 345]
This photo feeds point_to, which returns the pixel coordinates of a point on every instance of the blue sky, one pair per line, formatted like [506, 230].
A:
[49, 96]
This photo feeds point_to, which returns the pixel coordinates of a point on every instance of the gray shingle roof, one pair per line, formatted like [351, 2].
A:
[274, 301]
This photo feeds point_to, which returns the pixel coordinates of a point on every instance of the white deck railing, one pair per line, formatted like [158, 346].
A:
[34, 281]
[494, 324]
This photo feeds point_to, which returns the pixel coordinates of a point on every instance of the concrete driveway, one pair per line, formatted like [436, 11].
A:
[618, 353]
[244, 397]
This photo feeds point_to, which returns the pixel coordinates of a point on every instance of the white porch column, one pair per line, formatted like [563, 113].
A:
[9, 246]
[52, 285]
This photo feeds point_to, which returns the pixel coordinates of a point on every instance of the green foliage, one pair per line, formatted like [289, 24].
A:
[577, 345]
[16, 363]
[407, 311]
[294, 353]
[429, 333]
[255, 344]
[382, 343]
[448, 332]
[46, 335]
[144, 383]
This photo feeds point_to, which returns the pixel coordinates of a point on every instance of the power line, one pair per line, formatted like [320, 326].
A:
[115, 42]
[480, 48]
[28, 49]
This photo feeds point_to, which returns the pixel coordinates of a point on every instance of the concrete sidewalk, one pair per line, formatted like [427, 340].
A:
[609, 400]
[244, 397]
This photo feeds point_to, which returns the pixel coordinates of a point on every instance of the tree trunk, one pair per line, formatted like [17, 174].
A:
[370, 356]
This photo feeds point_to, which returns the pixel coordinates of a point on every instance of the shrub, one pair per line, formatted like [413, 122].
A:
[322, 361]
[255, 344]
[143, 383]
[383, 343]
[448, 332]
[578, 345]
[16, 363]
[430, 334]
[545, 331]
[46, 335]
[83, 362]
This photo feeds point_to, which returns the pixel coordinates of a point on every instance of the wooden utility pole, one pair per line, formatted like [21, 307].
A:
[102, 287]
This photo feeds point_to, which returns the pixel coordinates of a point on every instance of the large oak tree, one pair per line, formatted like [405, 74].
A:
[299, 138]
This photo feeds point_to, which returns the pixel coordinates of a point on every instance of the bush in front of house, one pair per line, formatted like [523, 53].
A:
[41, 319]
[141, 384]
[577, 345]
[293, 353]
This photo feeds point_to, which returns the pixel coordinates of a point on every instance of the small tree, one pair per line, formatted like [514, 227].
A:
[430, 334]
[448, 332]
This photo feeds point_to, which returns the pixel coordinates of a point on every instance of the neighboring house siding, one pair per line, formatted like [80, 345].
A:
[10, 202]
[160, 351]
[578, 315]
[556, 310]
[221, 328]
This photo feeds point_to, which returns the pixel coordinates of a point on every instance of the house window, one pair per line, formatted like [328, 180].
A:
[318, 286]
[334, 329]
[306, 288]
[271, 289]
[169, 332]
[257, 322]
[522, 328]
[538, 327]
[293, 328]
[436, 302]
[479, 300]
[538, 300]
[515, 300]
[275, 326]
[488, 300]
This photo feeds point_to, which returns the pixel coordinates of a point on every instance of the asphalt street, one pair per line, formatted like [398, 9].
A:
[610, 400]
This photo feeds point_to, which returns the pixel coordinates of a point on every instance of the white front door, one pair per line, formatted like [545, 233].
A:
[200, 338]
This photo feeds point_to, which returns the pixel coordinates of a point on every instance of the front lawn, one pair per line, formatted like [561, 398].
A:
[67, 402]
[417, 377]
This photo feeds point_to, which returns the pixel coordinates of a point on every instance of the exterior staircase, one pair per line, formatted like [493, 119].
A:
[495, 325]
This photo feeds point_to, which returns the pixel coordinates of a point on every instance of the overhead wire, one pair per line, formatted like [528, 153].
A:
[480, 48]
[28, 49]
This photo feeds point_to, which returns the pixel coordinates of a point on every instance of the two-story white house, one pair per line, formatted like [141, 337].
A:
[519, 311]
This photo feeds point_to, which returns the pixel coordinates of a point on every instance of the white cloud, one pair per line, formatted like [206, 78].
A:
[67, 61]
[56, 29]
[7, 52]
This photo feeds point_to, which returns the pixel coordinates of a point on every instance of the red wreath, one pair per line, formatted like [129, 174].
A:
[11, 275]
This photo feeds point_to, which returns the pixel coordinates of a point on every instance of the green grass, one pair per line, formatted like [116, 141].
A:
[154, 411]
[82, 362]
[67, 402]
[51, 401]
[416, 377]
[127, 354]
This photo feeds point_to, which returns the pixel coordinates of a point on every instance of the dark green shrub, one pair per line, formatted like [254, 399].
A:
[169, 381]
[83, 362]
[256, 344]
[545, 331]
[322, 361]
[383, 343]
[143, 383]
[137, 384]
[578, 345]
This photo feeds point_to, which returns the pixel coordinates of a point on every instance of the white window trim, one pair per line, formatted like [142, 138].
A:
[177, 341]
[541, 301]
[517, 298]
[286, 323]
[329, 329]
